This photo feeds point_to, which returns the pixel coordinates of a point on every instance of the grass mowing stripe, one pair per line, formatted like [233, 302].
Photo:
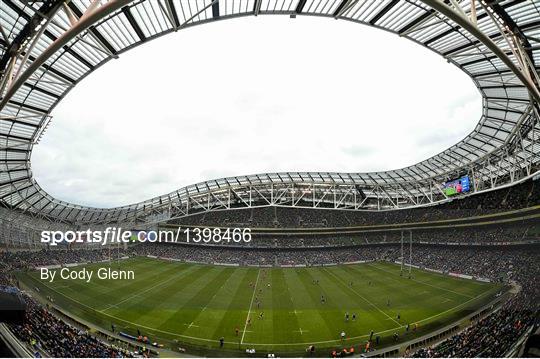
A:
[465, 286]
[285, 323]
[403, 289]
[361, 296]
[402, 295]
[336, 301]
[285, 295]
[140, 288]
[86, 292]
[155, 306]
[225, 291]
[304, 300]
[143, 274]
[262, 326]
[454, 308]
[433, 316]
[215, 310]
[138, 294]
[96, 284]
[131, 310]
[425, 283]
[250, 305]
[450, 309]
[130, 322]
[439, 278]
[189, 299]
[397, 289]
[203, 297]
[239, 302]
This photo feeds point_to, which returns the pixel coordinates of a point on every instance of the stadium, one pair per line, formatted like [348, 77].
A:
[437, 259]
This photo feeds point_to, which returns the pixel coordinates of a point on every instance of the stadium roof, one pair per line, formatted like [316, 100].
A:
[47, 48]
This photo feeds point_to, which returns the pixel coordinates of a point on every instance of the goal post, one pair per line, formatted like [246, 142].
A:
[410, 254]
[402, 255]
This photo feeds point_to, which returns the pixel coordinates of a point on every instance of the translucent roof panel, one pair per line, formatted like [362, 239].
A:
[45, 77]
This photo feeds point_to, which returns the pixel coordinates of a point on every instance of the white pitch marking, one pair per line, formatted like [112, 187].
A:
[301, 331]
[192, 325]
[250, 305]
[259, 344]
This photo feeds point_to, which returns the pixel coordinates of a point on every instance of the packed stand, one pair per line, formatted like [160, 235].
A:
[43, 331]
[524, 195]
[254, 256]
[495, 334]
[489, 336]
[32, 259]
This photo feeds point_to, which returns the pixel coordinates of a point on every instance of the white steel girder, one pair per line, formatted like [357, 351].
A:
[479, 36]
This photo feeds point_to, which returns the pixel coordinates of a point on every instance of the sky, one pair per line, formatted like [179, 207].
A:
[251, 95]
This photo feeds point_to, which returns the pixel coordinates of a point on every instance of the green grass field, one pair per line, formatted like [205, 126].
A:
[188, 305]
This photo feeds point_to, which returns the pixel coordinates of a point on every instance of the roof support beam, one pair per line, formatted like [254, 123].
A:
[300, 6]
[99, 13]
[499, 10]
[172, 10]
[46, 92]
[14, 181]
[126, 10]
[16, 170]
[29, 107]
[340, 7]
[441, 35]
[383, 12]
[416, 21]
[56, 72]
[257, 7]
[29, 30]
[10, 136]
[476, 32]
[17, 120]
[27, 199]
[16, 190]
[70, 51]
[215, 9]
[92, 29]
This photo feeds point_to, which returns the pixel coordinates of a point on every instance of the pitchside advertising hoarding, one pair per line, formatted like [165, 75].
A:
[457, 186]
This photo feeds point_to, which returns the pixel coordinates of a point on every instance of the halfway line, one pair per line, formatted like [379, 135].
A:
[250, 305]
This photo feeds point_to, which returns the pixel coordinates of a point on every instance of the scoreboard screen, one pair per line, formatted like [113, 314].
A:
[457, 186]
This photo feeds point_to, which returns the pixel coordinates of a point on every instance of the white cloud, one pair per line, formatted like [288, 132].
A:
[247, 96]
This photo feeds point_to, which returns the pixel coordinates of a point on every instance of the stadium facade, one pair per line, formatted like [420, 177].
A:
[47, 48]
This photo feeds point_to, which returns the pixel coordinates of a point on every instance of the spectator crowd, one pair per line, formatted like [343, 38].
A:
[491, 335]
[43, 331]
[524, 195]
